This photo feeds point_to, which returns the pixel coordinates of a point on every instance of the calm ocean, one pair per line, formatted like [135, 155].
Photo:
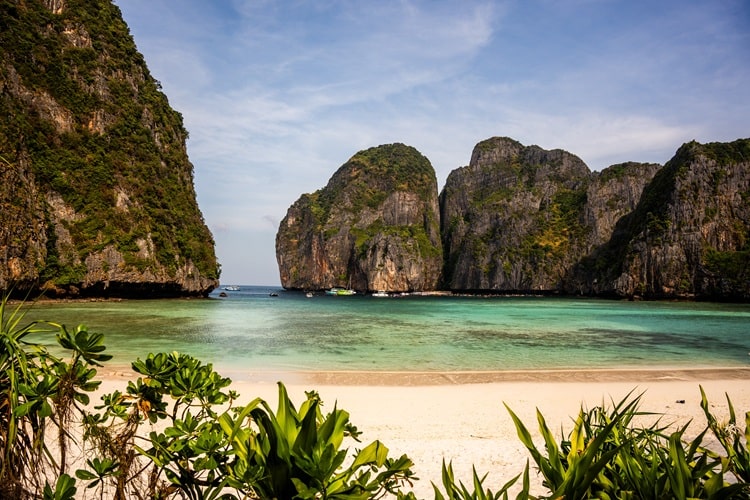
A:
[252, 330]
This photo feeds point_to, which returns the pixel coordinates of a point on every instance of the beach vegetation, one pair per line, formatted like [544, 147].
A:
[457, 490]
[608, 455]
[208, 448]
[40, 397]
[298, 453]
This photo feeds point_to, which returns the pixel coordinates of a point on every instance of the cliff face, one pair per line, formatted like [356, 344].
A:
[512, 219]
[375, 226]
[96, 190]
[522, 219]
[689, 234]
[613, 193]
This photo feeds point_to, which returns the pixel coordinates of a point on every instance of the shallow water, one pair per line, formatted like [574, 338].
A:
[251, 330]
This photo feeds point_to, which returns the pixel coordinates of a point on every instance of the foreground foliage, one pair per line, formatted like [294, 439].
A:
[606, 456]
[210, 449]
[40, 392]
[177, 432]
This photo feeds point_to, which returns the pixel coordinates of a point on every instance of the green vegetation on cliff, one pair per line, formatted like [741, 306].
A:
[370, 176]
[374, 226]
[79, 107]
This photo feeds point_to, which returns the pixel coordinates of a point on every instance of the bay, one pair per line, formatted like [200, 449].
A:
[252, 330]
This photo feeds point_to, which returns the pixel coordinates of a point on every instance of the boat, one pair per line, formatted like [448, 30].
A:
[340, 291]
[309, 295]
[232, 288]
[380, 293]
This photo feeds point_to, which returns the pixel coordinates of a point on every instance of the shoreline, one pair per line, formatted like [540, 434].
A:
[463, 377]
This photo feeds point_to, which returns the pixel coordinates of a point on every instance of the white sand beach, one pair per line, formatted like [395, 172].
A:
[460, 417]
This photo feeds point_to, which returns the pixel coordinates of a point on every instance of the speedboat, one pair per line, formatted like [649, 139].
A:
[340, 291]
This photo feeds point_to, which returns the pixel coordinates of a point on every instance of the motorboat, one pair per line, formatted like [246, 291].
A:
[340, 291]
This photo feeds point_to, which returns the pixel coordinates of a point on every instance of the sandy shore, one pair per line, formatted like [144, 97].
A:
[460, 417]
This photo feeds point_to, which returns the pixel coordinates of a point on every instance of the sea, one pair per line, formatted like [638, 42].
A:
[261, 329]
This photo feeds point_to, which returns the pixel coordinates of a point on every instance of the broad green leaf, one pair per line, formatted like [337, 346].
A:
[375, 453]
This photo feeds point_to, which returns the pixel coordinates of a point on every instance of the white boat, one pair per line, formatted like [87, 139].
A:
[341, 291]
[232, 288]
[380, 293]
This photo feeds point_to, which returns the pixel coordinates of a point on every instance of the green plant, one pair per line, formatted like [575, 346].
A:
[65, 489]
[188, 452]
[40, 391]
[730, 437]
[298, 454]
[573, 468]
[208, 450]
[458, 491]
[607, 456]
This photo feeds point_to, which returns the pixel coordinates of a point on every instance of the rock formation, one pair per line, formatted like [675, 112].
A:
[688, 236]
[375, 226]
[96, 189]
[512, 219]
[520, 219]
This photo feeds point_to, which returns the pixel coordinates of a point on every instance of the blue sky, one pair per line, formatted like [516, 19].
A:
[276, 95]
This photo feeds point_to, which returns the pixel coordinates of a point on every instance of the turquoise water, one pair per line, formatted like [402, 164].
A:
[252, 330]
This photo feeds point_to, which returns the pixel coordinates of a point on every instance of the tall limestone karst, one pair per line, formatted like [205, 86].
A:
[613, 193]
[689, 235]
[520, 218]
[96, 189]
[375, 226]
[511, 220]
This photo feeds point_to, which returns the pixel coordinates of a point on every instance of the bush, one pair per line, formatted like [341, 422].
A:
[41, 392]
[606, 456]
[243, 452]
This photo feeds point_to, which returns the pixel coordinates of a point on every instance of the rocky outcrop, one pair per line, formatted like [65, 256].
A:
[375, 226]
[96, 189]
[520, 219]
[689, 235]
[613, 193]
[513, 219]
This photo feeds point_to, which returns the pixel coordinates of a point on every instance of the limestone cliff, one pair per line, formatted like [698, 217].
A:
[96, 189]
[513, 219]
[613, 193]
[689, 235]
[375, 226]
[521, 219]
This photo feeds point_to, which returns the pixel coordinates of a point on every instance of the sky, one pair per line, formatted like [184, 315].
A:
[277, 95]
